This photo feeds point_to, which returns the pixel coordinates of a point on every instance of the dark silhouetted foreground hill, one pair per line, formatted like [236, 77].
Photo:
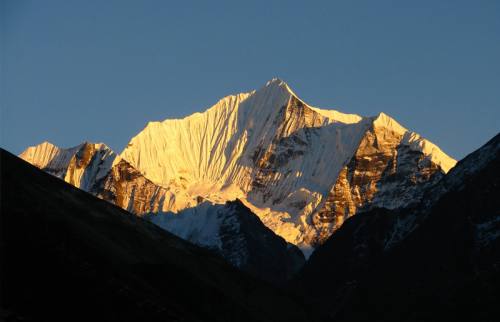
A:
[68, 256]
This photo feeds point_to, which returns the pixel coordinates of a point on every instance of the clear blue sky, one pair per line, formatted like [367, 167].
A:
[100, 70]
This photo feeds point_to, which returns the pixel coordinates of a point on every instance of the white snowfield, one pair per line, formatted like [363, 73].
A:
[213, 154]
[267, 147]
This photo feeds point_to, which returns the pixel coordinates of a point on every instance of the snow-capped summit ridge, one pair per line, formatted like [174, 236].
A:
[415, 141]
[332, 116]
[47, 155]
[302, 169]
[281, 156]
[384, 120]
[274, 88]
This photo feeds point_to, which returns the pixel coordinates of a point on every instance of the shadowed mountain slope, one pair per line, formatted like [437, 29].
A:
[437, 261]
[235, 233]
[67, 255]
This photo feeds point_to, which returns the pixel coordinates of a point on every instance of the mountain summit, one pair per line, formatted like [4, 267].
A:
[303, 170]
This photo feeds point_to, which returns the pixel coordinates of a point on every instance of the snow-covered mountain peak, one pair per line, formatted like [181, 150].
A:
[80, 165]
[275, 87]
[330, 115]
[49, 156]
[384, 120]
[303, 170]
[286, 160]
[415, 142]
[280, 87]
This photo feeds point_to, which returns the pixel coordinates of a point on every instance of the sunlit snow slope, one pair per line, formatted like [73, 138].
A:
[303, 170]
[81, 166]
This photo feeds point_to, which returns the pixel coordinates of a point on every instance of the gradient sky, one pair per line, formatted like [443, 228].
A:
[100, 70]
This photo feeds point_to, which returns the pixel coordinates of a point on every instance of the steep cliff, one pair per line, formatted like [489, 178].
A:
[126, 187]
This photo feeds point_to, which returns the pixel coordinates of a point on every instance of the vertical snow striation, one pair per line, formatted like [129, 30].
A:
[50, 158]
[287, 161]
[303, 170]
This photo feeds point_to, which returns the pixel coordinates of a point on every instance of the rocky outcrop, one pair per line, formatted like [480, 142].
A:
[385, 172]
[295, 125]
[89, 165]
[127, 188]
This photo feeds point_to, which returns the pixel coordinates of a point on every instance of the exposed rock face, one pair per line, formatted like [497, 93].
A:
[383, 173]
[128, 188]
[301, 169]
[420, 263]
[95, 168]
[81, 166]
[231, 230]
[89, 165]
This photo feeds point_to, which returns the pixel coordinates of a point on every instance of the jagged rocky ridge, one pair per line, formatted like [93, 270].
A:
[433, 261]
[301, 169]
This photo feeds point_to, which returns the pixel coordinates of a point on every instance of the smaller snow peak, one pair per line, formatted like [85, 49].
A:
[47, 144]
[44, 146]
[415, 142]
[40, 155]
[384, 120]
[435, 154]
